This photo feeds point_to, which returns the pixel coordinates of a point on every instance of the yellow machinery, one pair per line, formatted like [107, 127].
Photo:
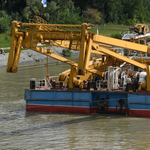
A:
[73, 37]
[140, 28]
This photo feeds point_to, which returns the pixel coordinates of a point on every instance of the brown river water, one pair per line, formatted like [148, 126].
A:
[31, 130]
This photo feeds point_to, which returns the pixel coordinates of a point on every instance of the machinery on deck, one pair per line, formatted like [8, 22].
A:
[140, 28]
[103, 70]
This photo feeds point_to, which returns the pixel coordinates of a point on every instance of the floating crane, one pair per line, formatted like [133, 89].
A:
[72, 37]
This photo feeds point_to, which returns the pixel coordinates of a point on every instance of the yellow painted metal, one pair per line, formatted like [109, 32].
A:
[96, 52]
[145, 60]
[73, 74]
[83, 48]
[17, 54]
[121, 43]
[123, 58]
[47, 74]
[97, 44]
[39, 31]
[15, 48]
[141, 57]
[76, 47]
[88, 53]
[97, 71]
[148, 78]
[140, 28]
[59, 35]
[140, 53]
[127, 57]
[11, 57]
[143, 86]
[63, 76]
[54, 56]
[50, 25]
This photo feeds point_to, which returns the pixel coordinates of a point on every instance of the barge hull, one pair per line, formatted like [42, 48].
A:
[87, 102]
[59, 109]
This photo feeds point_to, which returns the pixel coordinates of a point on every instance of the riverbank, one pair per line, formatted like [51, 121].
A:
[27, 56]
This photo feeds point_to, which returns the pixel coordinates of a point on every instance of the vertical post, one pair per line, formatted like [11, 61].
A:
[17, 55]
[141, 57]
[148, 78]
[47, 75]
[88, 53]
[14, 31]
[140, 53]
[72, 75]
[82, 49]
[127, 57]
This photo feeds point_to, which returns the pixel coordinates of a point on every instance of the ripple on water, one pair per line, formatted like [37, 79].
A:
[30, 130]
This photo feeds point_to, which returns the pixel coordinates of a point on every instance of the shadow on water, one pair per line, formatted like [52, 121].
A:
[85, 118]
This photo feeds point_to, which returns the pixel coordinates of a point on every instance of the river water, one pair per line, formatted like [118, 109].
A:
[30, 130]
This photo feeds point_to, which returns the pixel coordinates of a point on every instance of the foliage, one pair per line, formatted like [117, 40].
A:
[57, 11]
[4, 22]
[66, 52]
[125, 12]
[116, 35]
[15, 16]
[92, 15]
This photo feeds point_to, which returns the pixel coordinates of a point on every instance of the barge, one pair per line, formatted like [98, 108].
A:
[88, 101]
[108, 83]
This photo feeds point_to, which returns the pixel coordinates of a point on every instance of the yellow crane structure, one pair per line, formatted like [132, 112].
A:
[73, 37]
[140, 28]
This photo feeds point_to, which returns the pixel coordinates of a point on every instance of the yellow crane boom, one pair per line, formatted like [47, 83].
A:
[75, 37]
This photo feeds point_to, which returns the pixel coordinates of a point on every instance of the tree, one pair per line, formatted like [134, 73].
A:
[18, 6]
[128, 12]
[9, 7]
[57, 11]
[68, 14]
[1, 4]
[92, 15]
[4, 22]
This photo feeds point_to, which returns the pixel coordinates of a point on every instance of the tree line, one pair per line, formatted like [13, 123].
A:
[125, 12]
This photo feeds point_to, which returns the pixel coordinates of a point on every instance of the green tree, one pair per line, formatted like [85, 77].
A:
[17, 6]
[57, 11]
[127, 12]
[4, 22]
[92, 15]
[69, 14]
[109, 8]
[1, 4]
[66, 52]
[143, 12]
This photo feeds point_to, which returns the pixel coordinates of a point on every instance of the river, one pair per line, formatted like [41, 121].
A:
[31, 130]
